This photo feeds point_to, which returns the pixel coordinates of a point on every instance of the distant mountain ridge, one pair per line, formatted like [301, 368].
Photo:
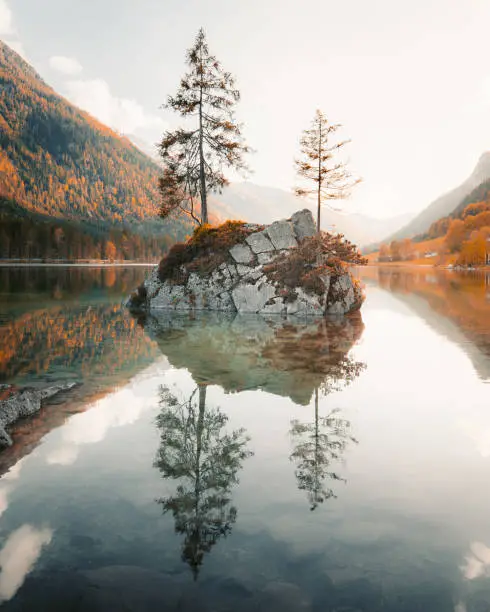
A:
[448, 203]
[250, 202]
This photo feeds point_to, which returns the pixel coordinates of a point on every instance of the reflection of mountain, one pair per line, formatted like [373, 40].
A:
[204, 461]
[287, 357]
[463, 300]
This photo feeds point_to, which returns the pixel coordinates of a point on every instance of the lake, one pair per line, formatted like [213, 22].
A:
[223, 463]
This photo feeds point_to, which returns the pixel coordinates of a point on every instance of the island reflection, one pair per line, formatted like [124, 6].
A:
[300, 359]
[284, 356]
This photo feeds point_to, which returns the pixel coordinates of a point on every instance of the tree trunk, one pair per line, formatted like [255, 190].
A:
[319, 176]
[202, 176]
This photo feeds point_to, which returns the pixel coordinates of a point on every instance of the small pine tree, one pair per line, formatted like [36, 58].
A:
[196, 158]
[319, 164]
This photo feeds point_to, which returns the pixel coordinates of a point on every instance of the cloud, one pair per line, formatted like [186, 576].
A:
[66, 65]
[6, 20]
[122, 114]
[18, 557]
[8, 29]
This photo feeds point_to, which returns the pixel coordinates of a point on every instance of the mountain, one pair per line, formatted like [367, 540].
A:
[446, 204]
[250, 202]
[71, 187]
[58, 164]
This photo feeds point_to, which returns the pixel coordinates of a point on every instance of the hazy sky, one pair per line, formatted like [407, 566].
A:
[409, 80]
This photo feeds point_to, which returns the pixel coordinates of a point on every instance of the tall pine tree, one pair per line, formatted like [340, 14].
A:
[325, 176]
[195, 157]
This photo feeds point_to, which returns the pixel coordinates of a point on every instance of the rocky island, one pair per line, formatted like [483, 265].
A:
[285, 268]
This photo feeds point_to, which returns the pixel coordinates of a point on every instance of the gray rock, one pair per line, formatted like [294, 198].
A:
[252, 298]
[243, 270]
[265, 258]
[305, 304]
[282, 235]
[23, 404]
[242, 253]
[303, 224]
[341, 296]
[259, 243]
[152, 283]
[274, 307]
[169, 296]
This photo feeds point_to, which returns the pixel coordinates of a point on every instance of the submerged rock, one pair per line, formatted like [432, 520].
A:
[22, 404]
[284, 356]
[243, 283]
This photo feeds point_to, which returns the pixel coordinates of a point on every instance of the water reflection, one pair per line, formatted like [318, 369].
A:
[204, 461]
[301, 359]
[18, 556]
[477, 562]
[317, 446]
[56, 283]
[285, 357]
[442, 296]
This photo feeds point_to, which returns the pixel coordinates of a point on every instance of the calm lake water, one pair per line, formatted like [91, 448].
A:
[223, 463]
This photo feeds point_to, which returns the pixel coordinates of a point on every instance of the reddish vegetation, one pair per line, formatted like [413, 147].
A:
[315, 258]
[204, 251]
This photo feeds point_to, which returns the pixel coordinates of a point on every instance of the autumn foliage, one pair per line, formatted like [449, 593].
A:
[206, 249]
[59, 165]
[314, 259]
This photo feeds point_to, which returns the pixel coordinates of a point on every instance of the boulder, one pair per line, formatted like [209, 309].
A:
[259, 243]
[282, 236]
[303, 224]
[241, 253]
[252, 298]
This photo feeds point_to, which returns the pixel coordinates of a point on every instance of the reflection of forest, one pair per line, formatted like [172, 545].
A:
[461, 297]
[48, 283]
[64, 341]
[287, 357]
[204, 460]
[100, 346]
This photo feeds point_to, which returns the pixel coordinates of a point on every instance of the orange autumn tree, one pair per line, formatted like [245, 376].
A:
[455, 235]
[474, 250]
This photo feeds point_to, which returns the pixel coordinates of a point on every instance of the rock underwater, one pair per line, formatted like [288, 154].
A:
[240, 280]
[24, 403]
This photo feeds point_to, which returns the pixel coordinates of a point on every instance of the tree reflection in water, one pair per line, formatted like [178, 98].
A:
[204, 460]
[320, 445]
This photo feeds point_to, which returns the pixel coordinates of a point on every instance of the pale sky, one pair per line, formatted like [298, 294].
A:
[409, 80]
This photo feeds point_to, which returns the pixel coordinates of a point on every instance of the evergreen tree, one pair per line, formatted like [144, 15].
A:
[195, 157]
[319, 164]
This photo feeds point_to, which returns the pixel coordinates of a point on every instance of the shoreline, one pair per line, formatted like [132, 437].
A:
[409, 264]
[72, 264]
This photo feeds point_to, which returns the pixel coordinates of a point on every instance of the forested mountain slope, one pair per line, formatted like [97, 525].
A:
[59, 162]
[446, 204]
